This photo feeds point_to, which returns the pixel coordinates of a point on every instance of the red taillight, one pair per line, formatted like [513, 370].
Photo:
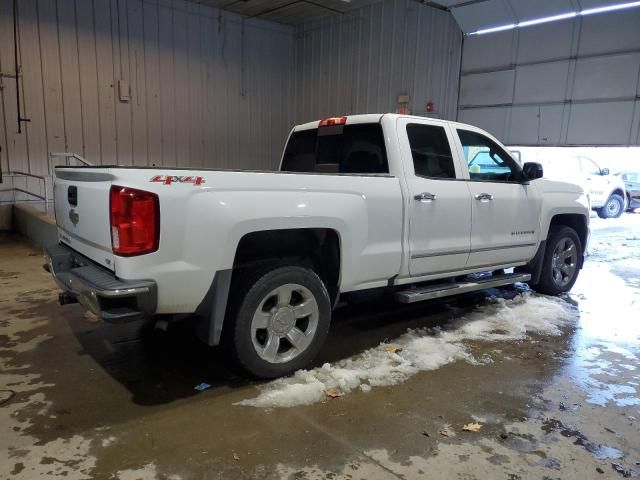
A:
[135, 221]
[327, 122]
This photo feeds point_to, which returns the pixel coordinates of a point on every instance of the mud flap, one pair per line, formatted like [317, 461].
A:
[213, 307]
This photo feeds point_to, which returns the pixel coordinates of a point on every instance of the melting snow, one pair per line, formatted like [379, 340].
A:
[421, 349]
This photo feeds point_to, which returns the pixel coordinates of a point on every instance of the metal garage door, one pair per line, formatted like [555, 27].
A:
[571, 82]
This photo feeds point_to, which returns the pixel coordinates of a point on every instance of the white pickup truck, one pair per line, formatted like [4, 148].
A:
[258, 259]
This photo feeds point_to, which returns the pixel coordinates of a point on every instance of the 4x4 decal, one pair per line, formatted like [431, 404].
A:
[169, 179]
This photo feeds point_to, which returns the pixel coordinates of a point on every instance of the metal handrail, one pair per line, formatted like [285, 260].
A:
[16, 173]
[22, 190]
[67, 156]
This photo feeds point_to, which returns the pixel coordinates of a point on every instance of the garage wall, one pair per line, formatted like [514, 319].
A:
[571, 82]
[361, 61]
[206, 87]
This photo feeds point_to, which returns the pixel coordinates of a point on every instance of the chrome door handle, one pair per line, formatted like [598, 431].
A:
[484, 197]
[425, 197]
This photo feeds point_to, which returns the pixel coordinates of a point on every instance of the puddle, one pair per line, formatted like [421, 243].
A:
[599, 451]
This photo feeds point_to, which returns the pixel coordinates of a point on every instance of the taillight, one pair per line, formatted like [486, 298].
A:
[327, 122]
[135, 221]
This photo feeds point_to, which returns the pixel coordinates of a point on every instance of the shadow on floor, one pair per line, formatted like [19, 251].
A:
[159, 367]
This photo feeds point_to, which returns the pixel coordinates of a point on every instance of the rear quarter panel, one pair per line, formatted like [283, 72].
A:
[201, 225]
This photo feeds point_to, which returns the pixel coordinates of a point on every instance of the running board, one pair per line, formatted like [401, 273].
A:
[448, 289]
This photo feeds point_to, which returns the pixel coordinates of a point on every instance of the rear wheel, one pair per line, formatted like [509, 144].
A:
[561, 261]
[613, 208]
[281, 322]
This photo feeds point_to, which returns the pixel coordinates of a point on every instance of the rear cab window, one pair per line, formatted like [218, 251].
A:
[339, 149]
[430, 151]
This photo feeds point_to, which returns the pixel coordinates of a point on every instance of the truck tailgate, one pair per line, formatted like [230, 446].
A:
[82, 212]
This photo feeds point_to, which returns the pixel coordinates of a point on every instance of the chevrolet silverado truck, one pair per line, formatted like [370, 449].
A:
[258, 259]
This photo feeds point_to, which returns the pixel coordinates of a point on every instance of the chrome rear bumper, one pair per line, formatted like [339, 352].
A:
[98, 289]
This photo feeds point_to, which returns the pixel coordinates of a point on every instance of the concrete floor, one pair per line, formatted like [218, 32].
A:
[82, 400]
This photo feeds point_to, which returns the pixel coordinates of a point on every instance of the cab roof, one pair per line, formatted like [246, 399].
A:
[372, 118]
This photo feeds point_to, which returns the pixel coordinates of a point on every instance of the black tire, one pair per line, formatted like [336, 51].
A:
[238, 326]
[547, 283]
[613, 208]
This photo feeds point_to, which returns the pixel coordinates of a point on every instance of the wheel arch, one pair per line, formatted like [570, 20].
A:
[578, 221]
[318, 248]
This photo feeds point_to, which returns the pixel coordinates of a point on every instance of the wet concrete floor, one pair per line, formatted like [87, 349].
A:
[80, 399]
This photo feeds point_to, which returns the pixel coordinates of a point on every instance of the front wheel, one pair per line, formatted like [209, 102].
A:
[613, 208]
[279, 325]
[561, 261]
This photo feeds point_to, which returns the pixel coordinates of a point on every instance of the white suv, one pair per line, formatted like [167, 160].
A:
[606, 192]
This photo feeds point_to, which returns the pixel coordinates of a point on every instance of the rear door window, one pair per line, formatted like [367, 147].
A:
[354, 149]
[430, 151]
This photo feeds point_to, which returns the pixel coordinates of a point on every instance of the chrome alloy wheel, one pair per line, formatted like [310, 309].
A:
[613, 208]
[284, 323]
[564, 262]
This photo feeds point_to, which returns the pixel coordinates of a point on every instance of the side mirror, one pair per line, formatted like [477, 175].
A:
[532, 170]
[604, 171]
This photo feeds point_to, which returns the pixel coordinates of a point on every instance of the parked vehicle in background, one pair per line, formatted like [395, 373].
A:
[606, 191]
[632, 186]
[361, 203]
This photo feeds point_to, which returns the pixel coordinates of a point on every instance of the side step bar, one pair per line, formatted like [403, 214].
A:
[448, 289]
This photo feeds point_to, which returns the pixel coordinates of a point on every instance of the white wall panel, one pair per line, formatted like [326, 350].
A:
[492, 119]
[535, 125]
[543, 82]
[206, 87]
[194, 74]
[576, 82]
[474, 53]
[613, 120]
[606, 77]
[551, 41]
[610, 32]
[492, 88]
[527, 9]
[485, 14]
[360, 62]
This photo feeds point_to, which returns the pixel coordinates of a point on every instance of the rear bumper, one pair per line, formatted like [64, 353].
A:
[98, 289]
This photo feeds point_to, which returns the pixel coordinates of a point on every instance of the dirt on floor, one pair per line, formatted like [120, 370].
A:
[505, 384]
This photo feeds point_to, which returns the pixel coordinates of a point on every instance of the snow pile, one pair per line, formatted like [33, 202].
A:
[419, 350]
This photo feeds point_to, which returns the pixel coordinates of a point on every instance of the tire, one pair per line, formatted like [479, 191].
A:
[280, 324]
[559, 273]
[613, 208]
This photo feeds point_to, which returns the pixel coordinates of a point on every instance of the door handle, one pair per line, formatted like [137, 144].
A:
[484, 197]
[425, 197]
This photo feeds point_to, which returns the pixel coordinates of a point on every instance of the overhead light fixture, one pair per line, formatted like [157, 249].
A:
[555, 18]
[501, 28]
[610, 8]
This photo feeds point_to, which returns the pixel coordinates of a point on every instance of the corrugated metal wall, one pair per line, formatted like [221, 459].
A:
[359, 62]
[207, 88]
[573, 82]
